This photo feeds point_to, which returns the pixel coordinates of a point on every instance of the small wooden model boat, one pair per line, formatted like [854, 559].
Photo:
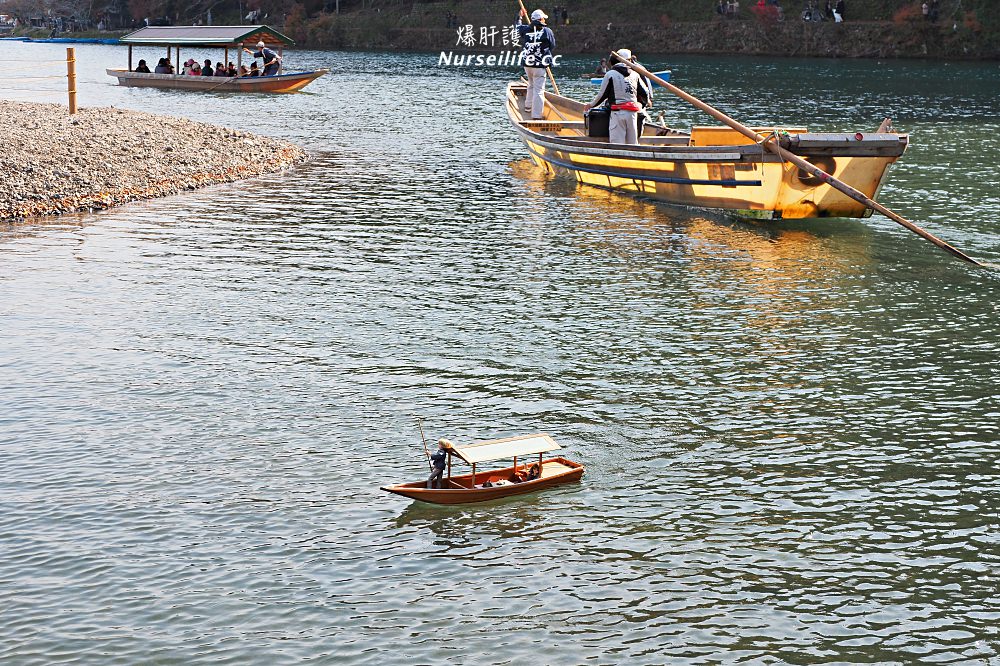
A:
[496, 483]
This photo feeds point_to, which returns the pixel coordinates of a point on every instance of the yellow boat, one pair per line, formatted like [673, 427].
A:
[711, 167]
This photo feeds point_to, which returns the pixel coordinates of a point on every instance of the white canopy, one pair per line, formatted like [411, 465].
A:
[494, 449]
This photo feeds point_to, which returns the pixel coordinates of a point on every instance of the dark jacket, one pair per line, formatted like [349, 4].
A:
[438, 458]
[539, 41]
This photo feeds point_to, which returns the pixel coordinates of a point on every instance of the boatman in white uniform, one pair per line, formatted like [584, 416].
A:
[538, 43]
[628, 94]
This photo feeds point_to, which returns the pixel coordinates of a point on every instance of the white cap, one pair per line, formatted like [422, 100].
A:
[624, 54]
[260, 45]
[538, 15]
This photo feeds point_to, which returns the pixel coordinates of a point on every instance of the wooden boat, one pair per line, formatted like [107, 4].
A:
[495, 483]
[205, 36]
[711, 167]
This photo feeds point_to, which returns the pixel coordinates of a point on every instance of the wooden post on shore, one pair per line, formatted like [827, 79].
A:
[71, 78]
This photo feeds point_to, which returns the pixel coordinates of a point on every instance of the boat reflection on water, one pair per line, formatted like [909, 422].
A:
[811, 246]
[776, 293]
[472, 528]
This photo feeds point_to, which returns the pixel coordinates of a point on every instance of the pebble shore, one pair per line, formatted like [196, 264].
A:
[55, 163]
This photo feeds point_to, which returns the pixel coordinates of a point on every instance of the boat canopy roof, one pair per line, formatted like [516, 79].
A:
[508, 447]
[206, 35]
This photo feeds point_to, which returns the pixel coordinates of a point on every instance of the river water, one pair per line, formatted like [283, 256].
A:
[790, 431]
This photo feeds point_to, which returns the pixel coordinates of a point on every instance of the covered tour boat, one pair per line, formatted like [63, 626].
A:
[711, 167]
[172, 38]
[480, 486]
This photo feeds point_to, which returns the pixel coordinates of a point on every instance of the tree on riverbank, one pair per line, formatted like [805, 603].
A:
[965, 29]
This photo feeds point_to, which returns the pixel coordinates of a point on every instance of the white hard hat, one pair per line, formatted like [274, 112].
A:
[623, 54]
[538, 15]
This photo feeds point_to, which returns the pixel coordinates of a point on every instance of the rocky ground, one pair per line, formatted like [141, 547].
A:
[56, 163]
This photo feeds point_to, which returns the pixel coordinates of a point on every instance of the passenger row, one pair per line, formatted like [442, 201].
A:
[192, 68]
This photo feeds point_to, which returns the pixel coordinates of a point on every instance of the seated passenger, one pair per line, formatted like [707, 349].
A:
[533, 472]
[220, 69]
[188, 66]
[244, 71]
[143, 68]
[231, 70]
[207, 69]
[163, 66]
[196, 70]
[254, 71]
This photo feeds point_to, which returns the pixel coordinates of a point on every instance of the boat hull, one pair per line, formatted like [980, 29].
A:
[282, 83]
[710, 167]
[555, 471]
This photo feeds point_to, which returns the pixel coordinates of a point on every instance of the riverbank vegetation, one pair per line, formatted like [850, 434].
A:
[873, 28]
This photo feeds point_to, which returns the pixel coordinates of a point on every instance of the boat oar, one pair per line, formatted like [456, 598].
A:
[424, 439]
[547, 69]
[806, 166]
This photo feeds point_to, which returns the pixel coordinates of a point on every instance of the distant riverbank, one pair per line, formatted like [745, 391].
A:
[101, 157]
[662, 27]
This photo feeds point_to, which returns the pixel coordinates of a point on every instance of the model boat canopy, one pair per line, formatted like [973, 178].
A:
[206, 35]
[510, 447]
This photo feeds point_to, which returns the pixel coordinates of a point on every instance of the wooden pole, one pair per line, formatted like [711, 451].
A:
[239, 59]
[130, 57]
[808, 167]
[426, 450]
[177, 69]
[473, 484]
[71, 78]
[527, 17]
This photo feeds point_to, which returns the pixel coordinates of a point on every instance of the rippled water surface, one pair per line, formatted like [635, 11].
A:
[790, 431]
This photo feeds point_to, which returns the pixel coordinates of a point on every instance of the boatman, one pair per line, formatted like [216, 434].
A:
[537, 56]
[271, 60]
[628, 93]
[438, 462]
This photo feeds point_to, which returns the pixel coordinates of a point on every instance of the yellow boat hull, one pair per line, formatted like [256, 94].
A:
[710, 167]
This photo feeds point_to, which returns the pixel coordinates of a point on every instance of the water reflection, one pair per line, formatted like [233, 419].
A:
[789, 430]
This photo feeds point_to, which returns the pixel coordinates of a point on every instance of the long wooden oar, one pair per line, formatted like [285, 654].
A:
[424, 439]
[808, 167]
[547, 69]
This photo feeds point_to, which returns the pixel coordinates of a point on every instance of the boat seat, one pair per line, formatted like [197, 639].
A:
[665, 140]
[553, 468]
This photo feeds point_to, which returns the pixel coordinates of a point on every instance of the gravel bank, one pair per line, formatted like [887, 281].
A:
[56, 163]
